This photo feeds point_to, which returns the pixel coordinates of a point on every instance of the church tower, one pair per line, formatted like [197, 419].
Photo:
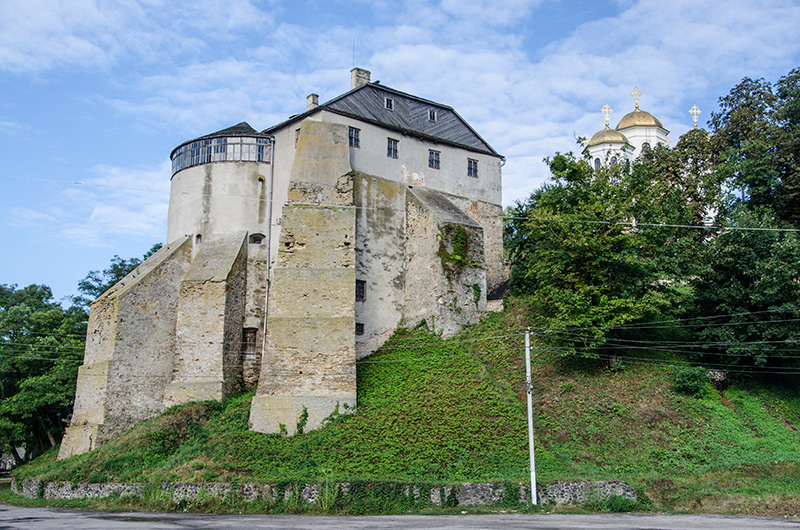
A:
[636, 132]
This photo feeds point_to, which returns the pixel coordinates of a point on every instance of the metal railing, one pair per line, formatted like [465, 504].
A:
[223, 149]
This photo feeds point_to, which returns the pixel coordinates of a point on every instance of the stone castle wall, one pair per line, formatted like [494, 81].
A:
[167, 333]
[174, 330]
[443, 291]
[129, 344]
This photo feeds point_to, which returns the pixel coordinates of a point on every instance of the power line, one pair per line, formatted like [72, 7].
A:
[657, 225]
[353, 206]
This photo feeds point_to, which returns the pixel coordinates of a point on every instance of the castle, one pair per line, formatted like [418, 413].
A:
[291, 253]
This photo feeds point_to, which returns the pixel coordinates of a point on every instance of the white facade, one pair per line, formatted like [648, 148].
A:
[636, 132]
[639, 135]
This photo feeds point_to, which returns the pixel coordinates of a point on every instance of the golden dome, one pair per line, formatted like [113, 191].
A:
[638, 117]
[608, 136]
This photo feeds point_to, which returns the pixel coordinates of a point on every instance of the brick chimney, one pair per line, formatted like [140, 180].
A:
[358, 77]
[312, 101]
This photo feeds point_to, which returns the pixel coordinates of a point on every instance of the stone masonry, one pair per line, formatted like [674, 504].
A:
[309, 362]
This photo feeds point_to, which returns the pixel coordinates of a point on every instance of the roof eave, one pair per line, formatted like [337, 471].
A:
[490, 150]
[219, 134]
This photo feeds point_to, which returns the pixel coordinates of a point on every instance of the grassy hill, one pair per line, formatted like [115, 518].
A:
[437, 411]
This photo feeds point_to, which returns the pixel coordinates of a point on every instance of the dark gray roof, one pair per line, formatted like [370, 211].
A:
[409, 115]
[240, 129]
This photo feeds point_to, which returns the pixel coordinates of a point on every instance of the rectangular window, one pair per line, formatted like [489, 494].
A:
[296, 137]
[391, 148]
[249, 343]
[220, 148]
[264, 150]
[361, 290]
[431, 115]
[433, 159]
[472, 168]
[205, 152]
[359, 328]
[389, 102]
[355, 137]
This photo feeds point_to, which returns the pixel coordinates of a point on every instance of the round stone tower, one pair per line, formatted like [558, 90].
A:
[220, 185]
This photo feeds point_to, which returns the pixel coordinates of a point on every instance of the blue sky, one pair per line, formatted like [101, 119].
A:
[95, 94]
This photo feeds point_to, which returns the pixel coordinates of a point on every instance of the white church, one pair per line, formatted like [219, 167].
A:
[635, 133]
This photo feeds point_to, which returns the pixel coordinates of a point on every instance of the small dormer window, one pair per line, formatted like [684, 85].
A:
[389, 102]
[431, 115]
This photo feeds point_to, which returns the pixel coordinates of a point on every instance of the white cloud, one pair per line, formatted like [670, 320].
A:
[11, 128]
[38, 35]
[120, 203]
[489, 12]
[25, 217]
[468, 54]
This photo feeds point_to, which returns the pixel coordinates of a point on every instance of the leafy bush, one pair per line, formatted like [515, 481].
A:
[619, 504]
[690, 381]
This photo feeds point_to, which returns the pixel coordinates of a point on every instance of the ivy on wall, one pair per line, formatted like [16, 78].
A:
[453, 262]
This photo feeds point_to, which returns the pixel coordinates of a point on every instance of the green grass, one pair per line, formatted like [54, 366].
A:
[434, 411]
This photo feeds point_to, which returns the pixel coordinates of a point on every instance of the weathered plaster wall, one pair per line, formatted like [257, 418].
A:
[380, 245]
[446, 300]
[411, 165]
[129, 347]
[219, 198]
[309, 361]
[207, 361]
[397, 256]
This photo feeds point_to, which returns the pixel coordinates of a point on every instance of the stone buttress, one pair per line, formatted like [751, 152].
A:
[207, 363]
[167, 333]
[308, 368]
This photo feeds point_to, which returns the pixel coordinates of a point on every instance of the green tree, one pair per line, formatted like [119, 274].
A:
[583, 262]
[97, 282]
[788, 117]
[750, 285]
[751, 288]
[41, 347]
[745, 139]
[756, 138]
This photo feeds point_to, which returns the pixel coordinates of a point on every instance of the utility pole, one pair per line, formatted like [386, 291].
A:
[529, 391]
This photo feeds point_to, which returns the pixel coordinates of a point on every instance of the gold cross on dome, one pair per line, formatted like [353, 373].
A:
[694, 111]
[607, 110]
[636, 93]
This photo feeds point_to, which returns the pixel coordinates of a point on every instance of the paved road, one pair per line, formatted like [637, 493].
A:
[14, 517]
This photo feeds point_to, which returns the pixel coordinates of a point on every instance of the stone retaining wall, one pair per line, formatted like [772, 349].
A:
[466, 494]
